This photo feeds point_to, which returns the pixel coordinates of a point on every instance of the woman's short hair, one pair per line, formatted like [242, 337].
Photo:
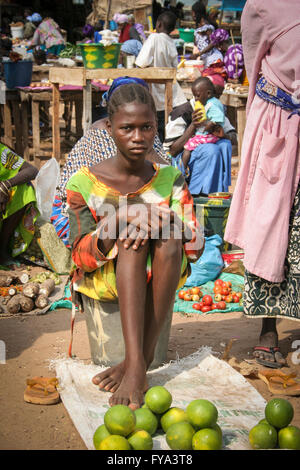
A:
[129, 93]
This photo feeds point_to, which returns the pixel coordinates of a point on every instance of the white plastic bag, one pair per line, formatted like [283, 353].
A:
[46, 182]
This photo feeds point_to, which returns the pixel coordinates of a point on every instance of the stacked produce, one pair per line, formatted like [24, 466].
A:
[195, 428]
[19, 293]
[223, 295]
[275, 430]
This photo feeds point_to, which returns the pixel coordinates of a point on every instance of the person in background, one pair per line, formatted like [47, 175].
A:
[199, 14]
[130, 48]
[264, 216]
[229, 130]
[29, 26]
[212, 15]
[126, 30]
[159, 50]
[18, 211]
[210, 128]
[88, 33]
[213, 53]
[209, 166]
[156, 11]
[47, 34]
[138, 26]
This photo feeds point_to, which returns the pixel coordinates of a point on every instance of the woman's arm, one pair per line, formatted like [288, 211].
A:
[88, 251]
[183, 205]
[178, 145]
[26, 174]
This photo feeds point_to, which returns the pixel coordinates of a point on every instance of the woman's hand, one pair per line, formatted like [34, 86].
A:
[140, 222]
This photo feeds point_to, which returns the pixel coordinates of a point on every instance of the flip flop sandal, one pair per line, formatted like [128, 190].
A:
[265, 362]
[42, 391]
[280, 383]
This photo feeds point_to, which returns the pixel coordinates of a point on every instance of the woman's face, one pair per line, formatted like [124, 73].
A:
[133, 130]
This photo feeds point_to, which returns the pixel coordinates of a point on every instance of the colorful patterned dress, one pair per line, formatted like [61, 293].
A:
[95, 274]
[19, 197]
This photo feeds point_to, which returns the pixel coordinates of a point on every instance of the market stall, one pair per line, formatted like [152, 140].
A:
[83, 77]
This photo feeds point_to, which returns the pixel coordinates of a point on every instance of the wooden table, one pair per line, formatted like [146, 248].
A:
[14, 115]
[238, 102]
[83, 77]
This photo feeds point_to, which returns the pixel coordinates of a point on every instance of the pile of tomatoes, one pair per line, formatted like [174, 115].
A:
[205, 303]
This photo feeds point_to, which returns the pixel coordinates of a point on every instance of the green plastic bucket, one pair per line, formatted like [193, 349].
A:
[212, 214]
[97, 56]
[187, 36]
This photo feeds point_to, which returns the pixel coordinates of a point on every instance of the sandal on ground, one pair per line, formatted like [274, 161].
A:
[280, 383]
[42, 391]
[264, 362]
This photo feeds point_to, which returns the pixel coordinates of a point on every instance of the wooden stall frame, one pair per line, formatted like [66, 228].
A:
[83, 77]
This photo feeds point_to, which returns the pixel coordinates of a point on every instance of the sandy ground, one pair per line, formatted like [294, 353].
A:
[32, 341]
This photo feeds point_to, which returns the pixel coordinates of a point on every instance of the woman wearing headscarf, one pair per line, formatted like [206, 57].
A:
[96, 145]
[47, 34]
[126, 30]
[264, 217]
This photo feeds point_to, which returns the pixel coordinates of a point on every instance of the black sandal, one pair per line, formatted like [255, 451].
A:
[264, 362]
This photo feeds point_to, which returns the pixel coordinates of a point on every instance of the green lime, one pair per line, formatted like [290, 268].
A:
[145, 419]
[179, 436]
[100, 434]
[207, 439]
[202, 414]
[279, 412]
[120, 419]
[140, 440]
[172, 416]
[289, 438]
[263, 436]
[158, 399]
[115, 442]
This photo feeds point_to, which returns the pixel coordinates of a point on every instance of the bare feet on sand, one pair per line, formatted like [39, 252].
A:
[132, 387]
[126, 383]
[110, 379]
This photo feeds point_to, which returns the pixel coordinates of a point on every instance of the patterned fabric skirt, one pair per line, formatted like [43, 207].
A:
[278, 299]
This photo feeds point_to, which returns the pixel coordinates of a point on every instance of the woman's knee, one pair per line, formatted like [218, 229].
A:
[169, 249]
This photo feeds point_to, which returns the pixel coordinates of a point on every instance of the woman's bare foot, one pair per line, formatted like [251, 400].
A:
[110, 379]
[132, 387]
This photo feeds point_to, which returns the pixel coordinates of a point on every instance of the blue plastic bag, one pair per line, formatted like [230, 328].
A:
[209, 265]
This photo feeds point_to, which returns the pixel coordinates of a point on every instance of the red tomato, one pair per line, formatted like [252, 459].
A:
[218, 297]
[197, 306]
[228, 299]
[181, 294]
[228, 284]
[214, 307]
[235, 299]
[207, 300]
[217, 289]
[221, 305]
[239, 294]
[195, 290]
[187, 297]
[225, 291]
[219, 282]
[206, 308]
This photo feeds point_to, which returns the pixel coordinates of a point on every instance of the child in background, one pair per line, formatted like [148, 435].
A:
[159, 50]
[210, 128]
